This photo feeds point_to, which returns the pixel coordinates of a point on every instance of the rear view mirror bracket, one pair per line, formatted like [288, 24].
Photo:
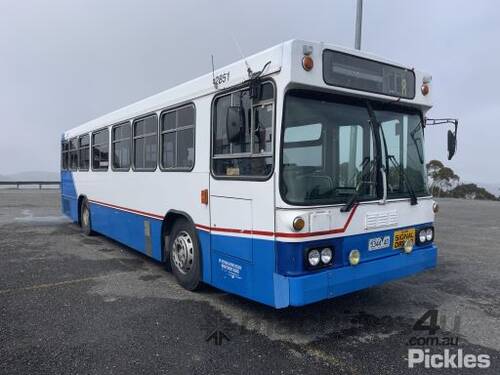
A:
[452, 134]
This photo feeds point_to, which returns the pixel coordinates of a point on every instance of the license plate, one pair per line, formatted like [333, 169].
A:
[378, 243]
[400, 236]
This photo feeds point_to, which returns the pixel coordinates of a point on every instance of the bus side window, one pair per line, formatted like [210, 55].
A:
[73, 154]
[83, 152]
[248, 152]
[145, 143]
[177, 138]
[120, 147]
[100, 150]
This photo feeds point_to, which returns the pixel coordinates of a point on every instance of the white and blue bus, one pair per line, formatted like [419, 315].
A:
[293, 176]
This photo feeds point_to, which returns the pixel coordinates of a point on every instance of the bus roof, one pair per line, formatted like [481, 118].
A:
[280, 58]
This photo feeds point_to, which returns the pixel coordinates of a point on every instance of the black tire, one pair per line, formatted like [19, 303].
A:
[85, 218]
[166, 253]
[184, 254]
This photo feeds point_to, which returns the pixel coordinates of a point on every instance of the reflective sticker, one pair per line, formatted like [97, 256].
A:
[400, 237]
[230, 269]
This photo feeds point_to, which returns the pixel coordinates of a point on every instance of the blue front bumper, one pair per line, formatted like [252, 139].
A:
[335, 282]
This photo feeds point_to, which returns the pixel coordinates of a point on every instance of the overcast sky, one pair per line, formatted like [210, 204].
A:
[64, 62]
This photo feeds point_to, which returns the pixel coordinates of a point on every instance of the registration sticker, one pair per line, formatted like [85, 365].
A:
[378, 243]
[400, 236]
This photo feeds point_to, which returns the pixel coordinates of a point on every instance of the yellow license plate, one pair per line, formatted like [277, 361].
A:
[400, 236]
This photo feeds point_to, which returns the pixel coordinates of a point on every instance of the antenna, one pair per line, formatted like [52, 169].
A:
[213, 72]
[249, 70]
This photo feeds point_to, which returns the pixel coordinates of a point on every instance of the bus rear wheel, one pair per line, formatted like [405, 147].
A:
[184, 254]
[85, 219]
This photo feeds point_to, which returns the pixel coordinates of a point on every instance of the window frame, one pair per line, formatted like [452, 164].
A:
[113, 141]
[133, 138]
[70, 150]
[88, 152]
[161, 132]
[106, 128]
[251, 154]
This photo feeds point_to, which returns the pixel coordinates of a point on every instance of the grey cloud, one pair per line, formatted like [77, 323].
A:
[65, 62]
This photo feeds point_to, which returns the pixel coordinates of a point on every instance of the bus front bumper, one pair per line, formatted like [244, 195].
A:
[336, 282]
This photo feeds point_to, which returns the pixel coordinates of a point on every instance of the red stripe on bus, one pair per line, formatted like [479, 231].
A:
[320, 233]
[127, 209]
[244, 231]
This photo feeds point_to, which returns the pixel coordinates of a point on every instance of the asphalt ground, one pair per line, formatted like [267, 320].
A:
[88, 305]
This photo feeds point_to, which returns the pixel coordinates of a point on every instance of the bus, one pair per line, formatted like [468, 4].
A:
[292, 176]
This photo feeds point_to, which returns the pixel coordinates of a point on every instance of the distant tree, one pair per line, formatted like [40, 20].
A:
[472, 191]
[442, 178]
[447, 179]
[444, 182]
[433, 168]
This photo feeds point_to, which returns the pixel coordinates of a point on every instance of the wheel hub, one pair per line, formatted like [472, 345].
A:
[183, 252]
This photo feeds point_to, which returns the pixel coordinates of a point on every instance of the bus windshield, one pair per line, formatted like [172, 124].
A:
[329, 151]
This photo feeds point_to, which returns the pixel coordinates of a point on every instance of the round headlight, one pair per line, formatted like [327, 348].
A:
[354, 257]
[408, 246]
[326, 255]
[313, 257]
[435, 207]
[429, 234]
[422, 236]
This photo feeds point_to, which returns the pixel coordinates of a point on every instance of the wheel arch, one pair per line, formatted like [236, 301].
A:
[168, 223]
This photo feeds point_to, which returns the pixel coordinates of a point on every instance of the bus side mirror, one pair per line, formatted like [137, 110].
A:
[235, 123]
[452, 144]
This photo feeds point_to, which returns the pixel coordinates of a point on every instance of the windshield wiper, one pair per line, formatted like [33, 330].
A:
[412, 134]
[402, 174]
[361, 174]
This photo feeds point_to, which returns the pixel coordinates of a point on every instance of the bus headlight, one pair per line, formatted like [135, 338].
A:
[429, 234]
[313, 257]
[425, 235]
[326, 255]
[354, 257]
[422, 235]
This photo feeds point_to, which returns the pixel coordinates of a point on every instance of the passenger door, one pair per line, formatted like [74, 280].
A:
[241, 186]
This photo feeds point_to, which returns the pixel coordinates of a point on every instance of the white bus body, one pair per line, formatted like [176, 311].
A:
[244, 240]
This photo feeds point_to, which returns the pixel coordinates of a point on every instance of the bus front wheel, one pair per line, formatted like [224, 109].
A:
[185, 255]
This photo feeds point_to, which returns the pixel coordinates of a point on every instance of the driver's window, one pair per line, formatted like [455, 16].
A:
[242, 139]
[263, 128]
